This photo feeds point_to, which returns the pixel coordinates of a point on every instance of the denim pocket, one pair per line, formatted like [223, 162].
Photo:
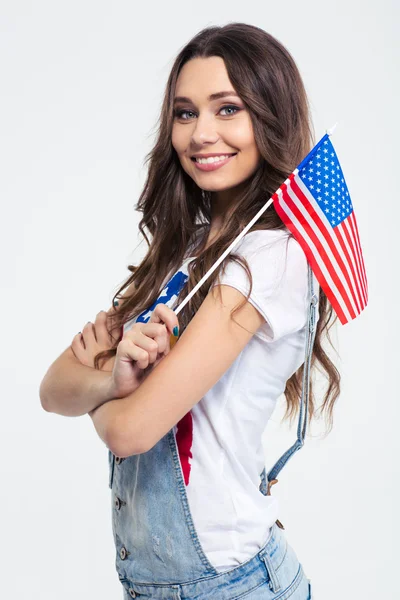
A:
[111, 460]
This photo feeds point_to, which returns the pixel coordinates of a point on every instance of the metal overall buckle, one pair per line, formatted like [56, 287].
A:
[270, 483]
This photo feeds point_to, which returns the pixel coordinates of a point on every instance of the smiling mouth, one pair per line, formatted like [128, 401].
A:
[214, 165]
[229, 154]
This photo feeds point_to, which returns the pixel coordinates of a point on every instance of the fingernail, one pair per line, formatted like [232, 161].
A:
[175, 331]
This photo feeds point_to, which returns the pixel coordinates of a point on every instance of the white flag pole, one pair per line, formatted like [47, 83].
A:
[233, 244]
[332, 129]
[221, 258]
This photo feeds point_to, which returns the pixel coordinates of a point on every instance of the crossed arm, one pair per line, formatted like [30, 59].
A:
[207, 348]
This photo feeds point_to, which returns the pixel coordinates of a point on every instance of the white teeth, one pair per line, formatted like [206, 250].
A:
[212, 159]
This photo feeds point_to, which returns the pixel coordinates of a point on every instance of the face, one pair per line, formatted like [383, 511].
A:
[217, 126]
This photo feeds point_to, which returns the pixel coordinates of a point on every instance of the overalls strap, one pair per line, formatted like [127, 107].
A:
[302, 424]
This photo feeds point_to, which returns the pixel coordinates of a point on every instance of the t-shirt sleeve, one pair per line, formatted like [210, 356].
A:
[278, 266]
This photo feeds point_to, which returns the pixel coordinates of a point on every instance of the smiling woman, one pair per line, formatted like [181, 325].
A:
[192, 511]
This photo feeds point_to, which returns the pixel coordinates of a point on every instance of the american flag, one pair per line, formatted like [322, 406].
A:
[315, 205]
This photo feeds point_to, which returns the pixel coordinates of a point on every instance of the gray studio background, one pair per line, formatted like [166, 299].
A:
[81, 87]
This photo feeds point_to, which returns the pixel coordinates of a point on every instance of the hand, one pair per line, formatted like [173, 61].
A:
[94, 339]
[141, 349]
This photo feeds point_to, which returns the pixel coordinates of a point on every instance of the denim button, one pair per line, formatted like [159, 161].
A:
[132, 593]
[118, 460]
[123, 553]
[117, 502]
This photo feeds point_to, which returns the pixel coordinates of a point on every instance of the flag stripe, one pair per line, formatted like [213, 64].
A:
[341, 232]
[361, 254]
[364, 276]
[349, 232]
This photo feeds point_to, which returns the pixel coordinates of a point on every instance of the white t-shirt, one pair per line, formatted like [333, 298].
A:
[220, 440]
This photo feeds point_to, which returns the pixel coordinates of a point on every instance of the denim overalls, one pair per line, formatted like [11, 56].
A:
[158, 553]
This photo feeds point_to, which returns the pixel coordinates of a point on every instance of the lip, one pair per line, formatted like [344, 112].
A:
[213, 166]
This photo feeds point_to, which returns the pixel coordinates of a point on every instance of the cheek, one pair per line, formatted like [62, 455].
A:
[249, 152]
[178, 140]
[243, 138]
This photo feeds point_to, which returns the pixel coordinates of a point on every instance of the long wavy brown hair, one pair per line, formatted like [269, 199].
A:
[266, 78]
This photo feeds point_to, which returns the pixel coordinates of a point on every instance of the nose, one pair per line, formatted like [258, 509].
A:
[204, 131]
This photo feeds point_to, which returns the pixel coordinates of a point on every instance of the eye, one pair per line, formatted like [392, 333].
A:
[180, 112]
[235, 108]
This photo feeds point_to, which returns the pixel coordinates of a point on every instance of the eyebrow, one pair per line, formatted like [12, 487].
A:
[211, 97]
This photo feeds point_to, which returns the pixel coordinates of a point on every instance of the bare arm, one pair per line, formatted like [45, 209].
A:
[72, 389]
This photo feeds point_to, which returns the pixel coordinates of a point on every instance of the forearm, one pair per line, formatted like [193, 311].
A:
[104, 418]
[72, 389]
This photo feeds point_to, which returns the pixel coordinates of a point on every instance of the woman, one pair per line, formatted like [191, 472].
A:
[192, 516]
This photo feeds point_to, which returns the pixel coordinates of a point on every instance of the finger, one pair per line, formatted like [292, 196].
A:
[79, 350]
[127, 348]
[103, 336]
[138, 337]
[164, 314]
[157, 331]
[89, 338]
